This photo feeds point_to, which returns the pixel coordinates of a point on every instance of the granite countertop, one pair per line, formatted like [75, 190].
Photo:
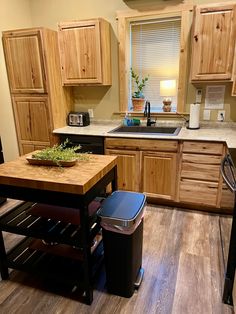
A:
[225, 132]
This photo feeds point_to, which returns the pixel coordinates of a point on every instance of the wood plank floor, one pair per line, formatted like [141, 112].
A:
[183, 260]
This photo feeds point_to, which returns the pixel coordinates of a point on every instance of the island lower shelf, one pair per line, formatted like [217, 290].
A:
[51, 247]
[21, 221]
[28, 256]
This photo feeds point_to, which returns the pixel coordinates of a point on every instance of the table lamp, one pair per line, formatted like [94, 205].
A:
[167, 89]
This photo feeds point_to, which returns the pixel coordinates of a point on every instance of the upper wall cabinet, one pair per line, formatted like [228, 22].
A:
[213, 42]
[85, 52]
[23, 51]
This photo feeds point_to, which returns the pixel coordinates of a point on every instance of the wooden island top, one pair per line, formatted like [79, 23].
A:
[76, 179]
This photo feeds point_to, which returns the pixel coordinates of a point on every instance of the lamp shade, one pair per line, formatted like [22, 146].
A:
[168, 88]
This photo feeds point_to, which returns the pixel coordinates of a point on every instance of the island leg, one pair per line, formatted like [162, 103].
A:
[88, 275]
[87, 264]
[114, 181]
[3, 259]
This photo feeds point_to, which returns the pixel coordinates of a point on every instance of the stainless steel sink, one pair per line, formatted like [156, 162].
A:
[159, 130]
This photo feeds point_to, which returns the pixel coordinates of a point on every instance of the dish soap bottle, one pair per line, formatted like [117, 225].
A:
[127, 119]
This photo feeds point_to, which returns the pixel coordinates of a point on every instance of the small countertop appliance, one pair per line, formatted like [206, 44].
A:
[78, 119]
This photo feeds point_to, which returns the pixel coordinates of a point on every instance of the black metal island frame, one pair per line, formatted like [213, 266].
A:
[71, 188]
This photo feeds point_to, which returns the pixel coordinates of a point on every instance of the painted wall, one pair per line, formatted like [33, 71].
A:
[104, 100]
[13, 14]
[49, 13]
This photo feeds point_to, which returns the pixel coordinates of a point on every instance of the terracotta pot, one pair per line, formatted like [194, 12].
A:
[138, 104]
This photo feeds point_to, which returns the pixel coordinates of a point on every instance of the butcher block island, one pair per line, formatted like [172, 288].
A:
[58, 219]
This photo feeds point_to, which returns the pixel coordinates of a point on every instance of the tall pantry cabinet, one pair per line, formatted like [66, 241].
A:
[40, 103]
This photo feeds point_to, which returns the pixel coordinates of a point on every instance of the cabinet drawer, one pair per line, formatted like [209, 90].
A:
[198, 192]
[200, 171]
[203, 147]
[202, 159]
[139, 144]
[202, 167]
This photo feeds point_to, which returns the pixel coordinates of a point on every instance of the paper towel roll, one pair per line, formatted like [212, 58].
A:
[194, 116]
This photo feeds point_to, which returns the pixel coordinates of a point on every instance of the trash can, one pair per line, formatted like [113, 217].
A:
[122, 229]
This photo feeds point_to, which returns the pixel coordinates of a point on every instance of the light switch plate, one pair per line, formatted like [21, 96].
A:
[199, 95]
[206, 114]
[90, 111]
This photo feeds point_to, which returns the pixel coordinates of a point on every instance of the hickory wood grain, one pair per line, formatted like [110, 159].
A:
[77, 179]
[182, 258]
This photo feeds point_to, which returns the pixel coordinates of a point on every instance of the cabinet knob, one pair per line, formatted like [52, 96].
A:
[196, 38]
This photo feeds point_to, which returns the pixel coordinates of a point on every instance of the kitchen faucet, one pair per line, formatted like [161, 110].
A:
[147, 113]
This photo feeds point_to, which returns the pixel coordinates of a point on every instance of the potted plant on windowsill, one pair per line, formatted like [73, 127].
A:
[138, 96]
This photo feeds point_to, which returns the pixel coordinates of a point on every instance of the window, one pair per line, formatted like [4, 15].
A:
[155, 49]
[155, 43]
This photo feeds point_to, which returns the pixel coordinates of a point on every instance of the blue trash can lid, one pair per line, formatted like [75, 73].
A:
[122, 206]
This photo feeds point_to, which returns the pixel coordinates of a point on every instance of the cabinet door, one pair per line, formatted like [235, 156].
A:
[32, 120]
[85, 52]
[28, 148]
[81, 53]
[128, 169]
[159, 174]
[213, 42]
[24, 61]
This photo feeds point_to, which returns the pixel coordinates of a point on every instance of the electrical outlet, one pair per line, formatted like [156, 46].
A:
[90, 111]
[221, 115]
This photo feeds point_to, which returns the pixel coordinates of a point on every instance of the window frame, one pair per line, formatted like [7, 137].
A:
[124, 19]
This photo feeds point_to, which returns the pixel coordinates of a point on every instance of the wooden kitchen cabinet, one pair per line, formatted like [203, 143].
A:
[28, 111]
[148, 166]
[24, 57]
[227, 198]
[85, 52]
[213, 42]
[40, 103]
[159, 173]
[200, 173]
[185, 173]
[128, 166]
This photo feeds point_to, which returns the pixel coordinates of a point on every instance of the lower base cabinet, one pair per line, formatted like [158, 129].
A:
[141, 169]
[128, 165]
[200, 179]
[227, 198]
[185, 173]
[158, 174]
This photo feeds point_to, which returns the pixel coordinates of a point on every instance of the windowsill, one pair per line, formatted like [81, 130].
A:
[171, 115]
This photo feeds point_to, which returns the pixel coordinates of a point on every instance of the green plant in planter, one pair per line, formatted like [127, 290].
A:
[140, 83]
[60, 153]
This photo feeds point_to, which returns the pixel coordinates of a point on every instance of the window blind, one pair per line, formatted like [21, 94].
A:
[155, 46]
